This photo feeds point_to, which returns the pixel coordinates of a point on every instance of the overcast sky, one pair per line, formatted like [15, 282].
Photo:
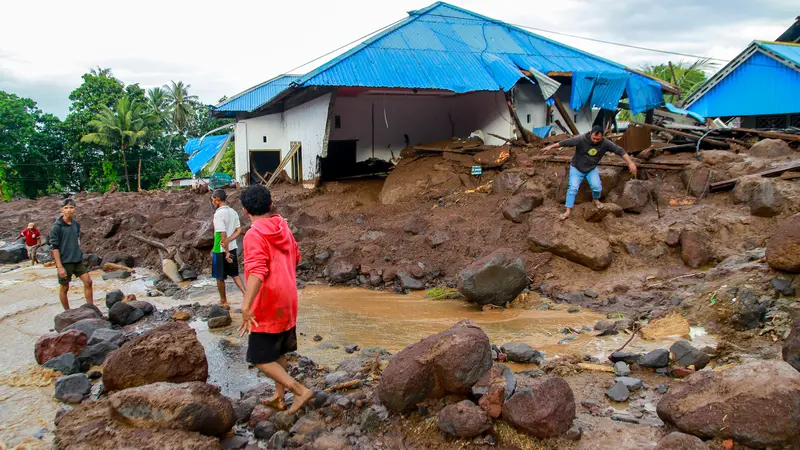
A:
[222, 48]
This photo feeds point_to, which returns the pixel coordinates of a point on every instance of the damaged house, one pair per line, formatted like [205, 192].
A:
[440, 73]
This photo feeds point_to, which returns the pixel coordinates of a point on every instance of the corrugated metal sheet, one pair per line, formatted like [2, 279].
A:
[788, 51]
[759, 86]
[201, 153]
[258, 96]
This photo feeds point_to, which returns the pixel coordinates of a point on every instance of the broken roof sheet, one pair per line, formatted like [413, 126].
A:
[200, 153]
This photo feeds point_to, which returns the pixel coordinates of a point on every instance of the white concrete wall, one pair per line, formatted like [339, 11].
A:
[304, 123]
[529, 100]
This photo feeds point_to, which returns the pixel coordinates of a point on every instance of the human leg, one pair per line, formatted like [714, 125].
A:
[88, 291]
[301, 393]
[596, 184]
[218, 272]
[62, 296]
[575, 179]
[277, 400]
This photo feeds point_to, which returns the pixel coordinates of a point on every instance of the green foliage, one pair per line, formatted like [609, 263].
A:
[181, 105]
[227, 164]
[441, 293]
[176, 174]
[686, 76]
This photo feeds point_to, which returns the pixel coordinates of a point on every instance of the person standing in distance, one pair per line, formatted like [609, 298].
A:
[65, 237]
[224, 255]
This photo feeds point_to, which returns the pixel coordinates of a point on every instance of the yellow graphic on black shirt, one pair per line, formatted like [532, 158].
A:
[592, 152]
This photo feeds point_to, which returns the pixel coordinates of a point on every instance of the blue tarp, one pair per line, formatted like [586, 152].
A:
[643, 94]
[201, 153]
[542, 132]
[685, 112]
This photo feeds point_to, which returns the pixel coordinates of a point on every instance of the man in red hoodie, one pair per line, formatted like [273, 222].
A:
[269, 311]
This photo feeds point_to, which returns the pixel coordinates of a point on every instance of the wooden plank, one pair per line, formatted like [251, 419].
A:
[566, 159]
[295, 146]
[729, 184]
[515, 117]
[682, 134]
[565, 116]
[770, 134]
[562, 127]
[559, 74]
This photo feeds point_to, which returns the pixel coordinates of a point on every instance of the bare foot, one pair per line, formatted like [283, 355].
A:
[598, 204]
[224, 305]
[300, 401]
[564, 216]
[276, 401]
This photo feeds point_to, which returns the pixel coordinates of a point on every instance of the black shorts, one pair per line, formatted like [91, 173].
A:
[222, 269]
[73, 269]
[264, 348]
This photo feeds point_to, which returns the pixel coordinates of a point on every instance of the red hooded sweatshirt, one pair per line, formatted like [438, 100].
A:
[271, 254]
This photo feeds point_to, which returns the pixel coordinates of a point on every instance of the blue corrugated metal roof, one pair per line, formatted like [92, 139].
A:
[446, 47]
[258, 96]
[759, 85]
[201, 153]
[787, 50]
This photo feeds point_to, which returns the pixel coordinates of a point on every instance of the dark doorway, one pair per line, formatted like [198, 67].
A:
[341, 160]
[264, 162]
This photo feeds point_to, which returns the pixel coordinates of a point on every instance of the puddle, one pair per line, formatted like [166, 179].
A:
[29, 300]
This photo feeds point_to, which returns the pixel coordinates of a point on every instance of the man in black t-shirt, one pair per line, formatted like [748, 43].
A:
[589, 150]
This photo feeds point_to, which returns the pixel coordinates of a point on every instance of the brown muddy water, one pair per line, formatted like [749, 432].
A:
[341, 316]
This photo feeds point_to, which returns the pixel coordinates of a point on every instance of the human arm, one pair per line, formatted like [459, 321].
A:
[55, 241]
[619, 151]
[236, 233]
[223, 241]
[571, 142]
[248, 318]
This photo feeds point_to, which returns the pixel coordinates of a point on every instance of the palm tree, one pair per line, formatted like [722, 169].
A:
[119, 129]
[103, 73]
[686, 76]
[157, 105]
[181, 104]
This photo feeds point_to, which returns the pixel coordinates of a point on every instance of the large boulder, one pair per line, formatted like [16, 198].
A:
[544, 408]
[13, 253]
[522, 203]
[694, 248]
[52, 345]
[73, 388]
[412, 178]
[595, 214]
[90, 426]
[464, 420]
[783, 248]
[89, 326]
[192, 406]
[70, 316]
[755, 404]
[760, 194]
[113, 298]
[170, 352]
[770, 148]
[507, 182]
[342, 270]
[450, 362]
[115, 337]
[609, 177]
[697, 179]
[496, 279]
[146, 307]
[521, 352]
[567, 240]
[96, 354]
[680, 441]
[67, 364]
[686, 355]
[124, 314]
[636, 195]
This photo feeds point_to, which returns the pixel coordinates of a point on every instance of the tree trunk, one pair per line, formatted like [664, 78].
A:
[139, 175]
[125, 165]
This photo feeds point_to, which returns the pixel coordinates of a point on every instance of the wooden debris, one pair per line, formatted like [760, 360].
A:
[769, 134]
[721, 144]
[565, 115]
[672, 325]
[111, 267]
[596, 367]
[729, 184]
[566, 159]
[345, 385]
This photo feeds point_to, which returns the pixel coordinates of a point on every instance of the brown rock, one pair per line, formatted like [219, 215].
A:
[673, 238]
[595, 214]
[679, 441]
[492, 158]
[755, 403]
[193, 406]
[694, 248]
[446, 363]
[492, 401]
[170, 352]
[697, 179]
[412, 178]
[181, 315]
[260, 414]
[770, 148]
[342, 270]
[167, 227]
[464, 420]
[67, 318]
[507, 182]
[791, 346]
[51, 345]
[544, 409]
[416, 224]
[783, 248]
[89, 426]
[567, 240]
[496, 279]
[522, 203]
[437, 238]
[636, 195]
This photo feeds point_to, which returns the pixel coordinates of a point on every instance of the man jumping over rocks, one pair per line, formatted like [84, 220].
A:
[269, 311]
[224, 256]
[65, 237]
[589, 150]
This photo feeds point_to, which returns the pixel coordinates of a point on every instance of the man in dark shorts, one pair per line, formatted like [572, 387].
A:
[32, 237]
[589, 150]
[224, 256]
[65, 237]
[269, 311]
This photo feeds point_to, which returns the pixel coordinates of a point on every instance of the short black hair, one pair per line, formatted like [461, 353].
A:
[257, 200]
[68, 201]
[597, 129]
[220, 194]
